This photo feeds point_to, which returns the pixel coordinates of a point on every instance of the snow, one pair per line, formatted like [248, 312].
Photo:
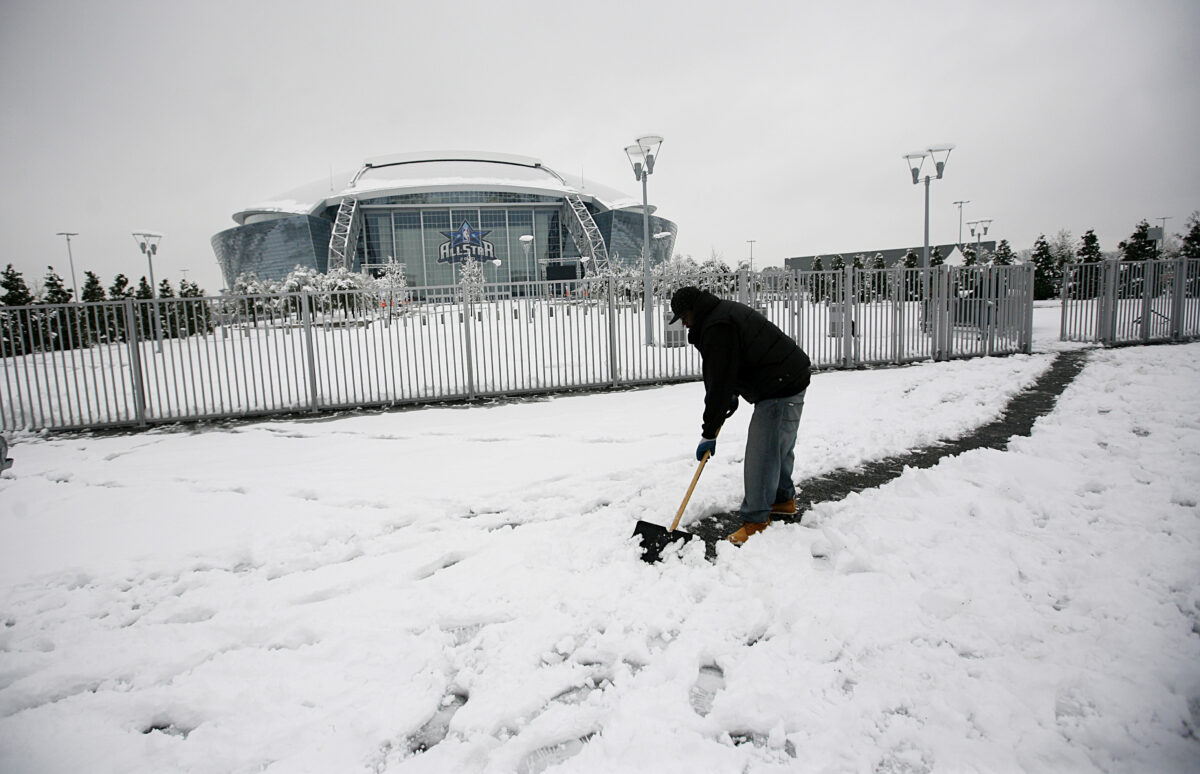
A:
[334, 594]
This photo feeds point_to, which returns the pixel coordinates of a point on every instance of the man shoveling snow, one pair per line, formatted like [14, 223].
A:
[745, 354]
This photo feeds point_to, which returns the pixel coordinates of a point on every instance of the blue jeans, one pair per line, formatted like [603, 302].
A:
[770, 453]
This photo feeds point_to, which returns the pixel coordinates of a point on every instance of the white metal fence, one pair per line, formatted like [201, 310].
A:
[1131, 302]
[129, 362]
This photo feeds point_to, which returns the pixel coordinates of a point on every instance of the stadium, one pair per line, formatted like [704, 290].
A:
[431, 211]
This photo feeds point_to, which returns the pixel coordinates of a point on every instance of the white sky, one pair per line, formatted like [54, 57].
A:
[784, 122]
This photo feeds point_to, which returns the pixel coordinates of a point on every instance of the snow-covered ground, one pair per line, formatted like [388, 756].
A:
[334, 594]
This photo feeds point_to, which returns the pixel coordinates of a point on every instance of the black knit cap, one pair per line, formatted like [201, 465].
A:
[684, 300]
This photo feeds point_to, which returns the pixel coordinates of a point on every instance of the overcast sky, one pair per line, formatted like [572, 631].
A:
[785, 122]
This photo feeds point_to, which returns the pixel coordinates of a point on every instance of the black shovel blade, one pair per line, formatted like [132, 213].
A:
[655, 538]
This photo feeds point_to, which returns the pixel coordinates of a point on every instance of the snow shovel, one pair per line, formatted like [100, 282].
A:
[655, 538]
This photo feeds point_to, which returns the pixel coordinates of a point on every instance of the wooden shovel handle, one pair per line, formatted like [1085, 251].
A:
[688, 496]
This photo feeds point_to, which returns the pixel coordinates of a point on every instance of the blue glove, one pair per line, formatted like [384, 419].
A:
[707, 445]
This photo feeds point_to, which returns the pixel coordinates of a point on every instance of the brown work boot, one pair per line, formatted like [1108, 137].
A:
[785, 508]
[747, 529]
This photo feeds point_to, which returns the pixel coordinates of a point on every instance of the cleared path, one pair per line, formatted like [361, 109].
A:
[1015, 420]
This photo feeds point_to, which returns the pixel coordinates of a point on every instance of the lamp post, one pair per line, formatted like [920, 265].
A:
[526, 241]
[71, 260]
[642, 156]
[147, 241]
[939, 154]
[960, 206]
[978, 229]
[751, 243]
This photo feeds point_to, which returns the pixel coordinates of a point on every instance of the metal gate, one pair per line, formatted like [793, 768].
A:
[1131, 302]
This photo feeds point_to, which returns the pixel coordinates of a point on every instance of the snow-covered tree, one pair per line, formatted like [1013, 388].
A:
[15, 336]
[342, 280]
[470, 279]
[95, 326]
[16, 292]
[1190, 242]
[1004, 255]
[1063, 249]
[300, 279]
[1139, 246]
[119, 288]
[675, 272]
[248, 284]
[1089, 248]
[143, 291]
[969, 257]
[92, 289]
[1045, 270]
[715, 275]
[392, 286]
[1189, 248]
[1086, 280]
[168, 314]
[347, 290]
[190, 290]
[54, 292]
[194, 314]
[911, 260]
[56, 326]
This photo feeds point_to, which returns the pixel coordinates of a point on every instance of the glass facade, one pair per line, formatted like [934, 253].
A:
[418, 230]
[622, 232]
[272, 248]
[414, 233]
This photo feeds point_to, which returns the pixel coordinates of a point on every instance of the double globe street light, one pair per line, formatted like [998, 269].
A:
[642, 156]
[979, 229]
[147, 241]
[938, 154]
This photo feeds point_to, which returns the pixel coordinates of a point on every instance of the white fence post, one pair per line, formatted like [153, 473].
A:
[896, 291]
[1027, 300]
[1149, 271]
[1178, 298]
[132, 338]
[314, 391]
[1108, 304]
[936, 316]
[468, 343]
[613, 369]
[848, 316]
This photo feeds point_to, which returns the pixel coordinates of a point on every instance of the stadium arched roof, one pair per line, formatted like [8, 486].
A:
[414, 173]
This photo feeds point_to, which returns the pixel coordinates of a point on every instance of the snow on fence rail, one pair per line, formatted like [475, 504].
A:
[1131, 302]
[128, 362]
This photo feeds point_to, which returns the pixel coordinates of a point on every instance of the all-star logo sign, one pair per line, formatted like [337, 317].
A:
[466, 243]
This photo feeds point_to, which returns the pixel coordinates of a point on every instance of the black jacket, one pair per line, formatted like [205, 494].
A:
[744, 354]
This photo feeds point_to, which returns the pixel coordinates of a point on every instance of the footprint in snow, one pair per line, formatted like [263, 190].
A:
[436, 728]
[552, 755]
[704, 691]
[763, 741]
[443, 563]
